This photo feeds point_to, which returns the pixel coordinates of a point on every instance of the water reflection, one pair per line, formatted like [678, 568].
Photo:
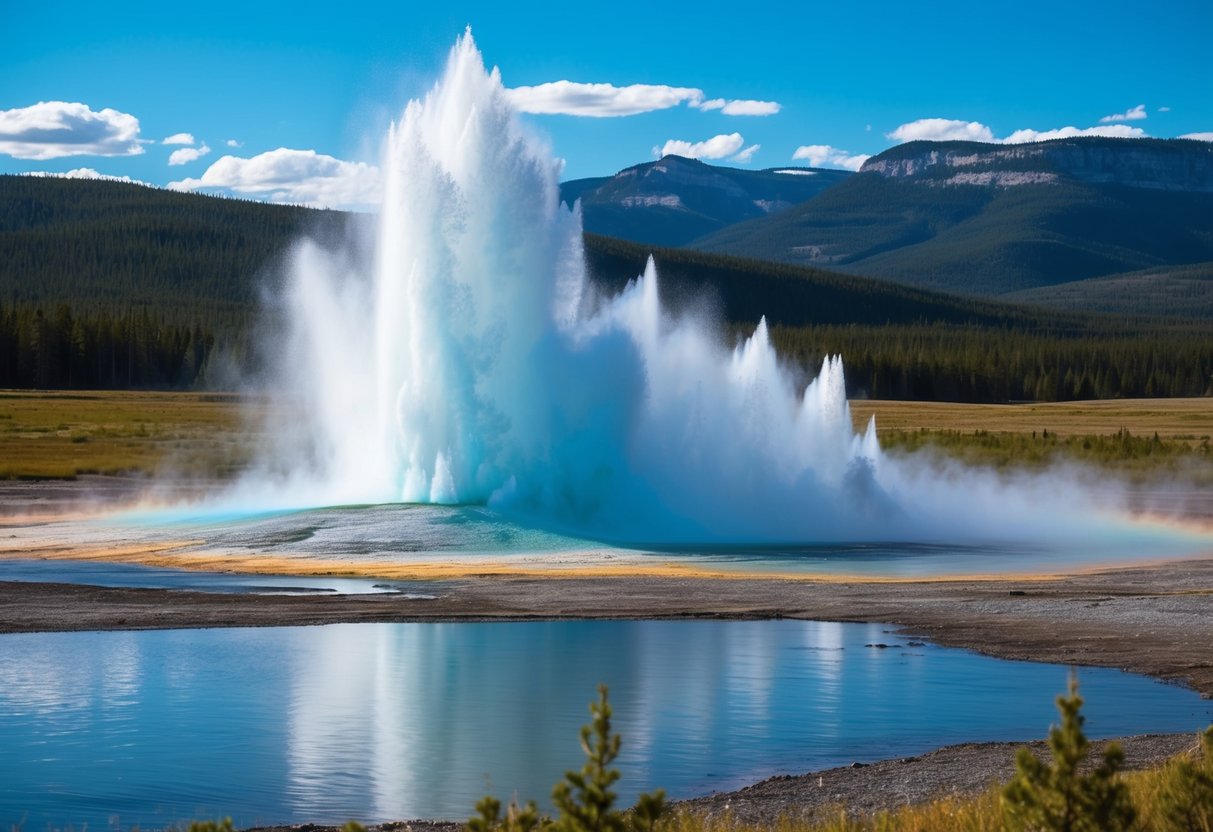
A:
[379, 722]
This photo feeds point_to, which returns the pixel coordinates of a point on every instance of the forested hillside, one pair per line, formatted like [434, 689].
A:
[109, 285]
[114, 247]
[986, 219]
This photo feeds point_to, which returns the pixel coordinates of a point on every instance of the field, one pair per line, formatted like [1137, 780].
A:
[60, 435]
[1139, 438]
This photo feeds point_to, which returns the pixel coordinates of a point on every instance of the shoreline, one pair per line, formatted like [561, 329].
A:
[959, 771]
[1155, 619]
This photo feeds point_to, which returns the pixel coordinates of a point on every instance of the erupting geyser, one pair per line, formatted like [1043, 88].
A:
[469, 360]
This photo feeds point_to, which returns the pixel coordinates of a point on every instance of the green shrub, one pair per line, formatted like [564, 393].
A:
[584, 799]
[1058, 798]
[224, 825]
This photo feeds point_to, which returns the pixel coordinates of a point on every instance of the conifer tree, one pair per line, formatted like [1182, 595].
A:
[1057, 797]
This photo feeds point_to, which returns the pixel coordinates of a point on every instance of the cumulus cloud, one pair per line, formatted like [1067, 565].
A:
[1164, 109]
[234, 143]
[739, 107]
[53, 129]
[179, 138]
[942, 130]
[88, 173]
[1121, 131]
[301, 177]
[825, 156]
[599, 100]
[717, 147]
[187, 154]
[570, 98]
[1200, 137]
[1132, 114]
[747, 155]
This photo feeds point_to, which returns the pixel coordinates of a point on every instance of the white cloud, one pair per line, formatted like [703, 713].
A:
[1200, 137]
[1122, 131]
[53, 129]
[751, 108]
[747, 155]
[740, 107]
[302, 177]
[717, 147]
[942, 130]
[187, 154]
[825, 156]
[599, 100]
[234, 143]
[88, 173]
[179, 138]
[570, 98]
[1132, 114]
[1164, 109]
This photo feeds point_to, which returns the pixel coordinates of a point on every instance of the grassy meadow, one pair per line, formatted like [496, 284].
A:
[61, 435]
[1139, 438]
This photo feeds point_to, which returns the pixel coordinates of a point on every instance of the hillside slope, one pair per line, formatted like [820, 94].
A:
[1165, 291]
[116, 246]
[675, 200]
[990, 219]
[106, 285]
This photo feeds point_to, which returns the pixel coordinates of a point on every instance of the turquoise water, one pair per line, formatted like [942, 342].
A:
[364, 536]
[391, 721]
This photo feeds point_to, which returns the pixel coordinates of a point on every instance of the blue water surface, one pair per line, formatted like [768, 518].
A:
[392, 721]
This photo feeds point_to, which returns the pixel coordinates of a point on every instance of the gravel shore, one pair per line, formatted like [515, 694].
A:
[1154, 619]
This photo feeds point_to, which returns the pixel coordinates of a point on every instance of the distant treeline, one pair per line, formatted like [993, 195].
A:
[65, 349]
[108, 285]
[971, 364]
[111, 246]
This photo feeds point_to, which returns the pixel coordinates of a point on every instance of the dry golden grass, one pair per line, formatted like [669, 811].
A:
[65, 434]
[1189, 420]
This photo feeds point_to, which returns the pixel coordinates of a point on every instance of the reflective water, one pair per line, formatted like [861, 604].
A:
[418, 720]
[104, 573]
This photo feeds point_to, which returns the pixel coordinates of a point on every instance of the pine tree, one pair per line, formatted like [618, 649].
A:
[1058, 798]
[584, 799]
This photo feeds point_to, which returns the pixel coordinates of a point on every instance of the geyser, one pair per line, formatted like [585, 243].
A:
[468, 360]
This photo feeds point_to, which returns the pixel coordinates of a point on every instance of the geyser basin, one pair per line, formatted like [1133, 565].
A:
[436, 541]
[382, 722]
[460, 356]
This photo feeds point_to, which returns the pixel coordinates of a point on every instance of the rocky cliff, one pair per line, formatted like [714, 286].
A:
[1161, 164]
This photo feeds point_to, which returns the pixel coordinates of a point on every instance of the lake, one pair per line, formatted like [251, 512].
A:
[391, 721]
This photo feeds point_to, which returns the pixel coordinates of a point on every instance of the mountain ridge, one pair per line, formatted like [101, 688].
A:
[674, 200]
[987, 219]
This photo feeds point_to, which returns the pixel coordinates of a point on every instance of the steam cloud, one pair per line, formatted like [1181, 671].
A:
[461, 356]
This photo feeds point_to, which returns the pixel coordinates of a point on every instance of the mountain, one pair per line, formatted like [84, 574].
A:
[191, 258]
[989, 219]
[675, 200]
[112, 285]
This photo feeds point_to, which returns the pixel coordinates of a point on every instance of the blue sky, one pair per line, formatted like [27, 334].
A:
[835, 81]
